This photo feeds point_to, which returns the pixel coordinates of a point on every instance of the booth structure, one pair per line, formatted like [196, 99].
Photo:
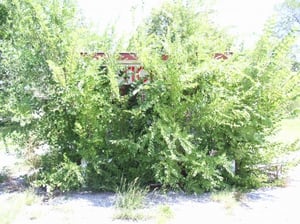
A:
[131, 69]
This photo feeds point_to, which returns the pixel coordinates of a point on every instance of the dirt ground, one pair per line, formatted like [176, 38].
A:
[278, 205]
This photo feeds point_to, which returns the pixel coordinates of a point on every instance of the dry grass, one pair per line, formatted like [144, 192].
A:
[229, 198]
[15, 204]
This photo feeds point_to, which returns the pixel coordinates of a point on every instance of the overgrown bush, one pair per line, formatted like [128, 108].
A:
[201, 124]
[65, 176]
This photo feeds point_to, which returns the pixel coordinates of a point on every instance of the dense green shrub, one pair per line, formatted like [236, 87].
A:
[212, 116]
[200, 124]
[66, 176]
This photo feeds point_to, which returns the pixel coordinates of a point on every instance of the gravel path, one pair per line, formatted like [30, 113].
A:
[272, 205]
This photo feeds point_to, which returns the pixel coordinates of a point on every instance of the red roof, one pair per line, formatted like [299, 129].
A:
[128, 56]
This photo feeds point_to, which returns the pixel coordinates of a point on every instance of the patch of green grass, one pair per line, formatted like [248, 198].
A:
[30, 197]
[130, 195]
[129, 198]
[229, 198]
[9, 210]
[164, 214]
[129, 214]
[282, 182]
[289, 131]
[12, 206]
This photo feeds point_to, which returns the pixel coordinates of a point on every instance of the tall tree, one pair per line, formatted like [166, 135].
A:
[288, 20]
[288, 23]
[289, 15]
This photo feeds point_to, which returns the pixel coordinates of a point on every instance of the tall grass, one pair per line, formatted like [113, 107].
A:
[130, 195]
[129, 198]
